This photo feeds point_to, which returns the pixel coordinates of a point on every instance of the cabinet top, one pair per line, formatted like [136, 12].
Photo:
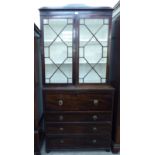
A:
[76, 7]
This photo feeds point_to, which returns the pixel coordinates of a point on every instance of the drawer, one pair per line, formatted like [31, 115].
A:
[78, 102]
[95, 116]
[80, 141]
[78, 128]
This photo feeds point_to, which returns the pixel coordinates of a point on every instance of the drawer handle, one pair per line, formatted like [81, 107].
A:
[94, 141]
[95, 117]
[61, 129]
[61, 141]
[95, 102]
[61, 117]
[60, 102]
[94, 129]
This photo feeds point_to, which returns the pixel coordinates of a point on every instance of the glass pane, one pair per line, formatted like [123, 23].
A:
[100, 69]
[80, 80]
[92, 77]
[93, 24]
[81, 21]
[84, 68]
[93, 50]
[58, 50]
[85, 35]
[47, 81]
[103, 80]
[66, 35]
[70, 21]
[45, 21]
[70, 80]
[57, 24]
[106, 21]
[48, 61]
[69, 52]
[58, 77]
[81, 50]
[46, 52]
[102, 35]
[104, 51]
[50, 69]
[49, 35]
[66, 69]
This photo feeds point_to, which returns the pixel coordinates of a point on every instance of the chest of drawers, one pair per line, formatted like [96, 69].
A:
[78, 118]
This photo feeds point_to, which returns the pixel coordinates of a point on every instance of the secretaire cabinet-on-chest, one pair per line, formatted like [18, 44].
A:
[78, 97]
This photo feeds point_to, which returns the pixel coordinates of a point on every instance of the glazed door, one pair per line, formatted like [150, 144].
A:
[93, 48]
[58, 49]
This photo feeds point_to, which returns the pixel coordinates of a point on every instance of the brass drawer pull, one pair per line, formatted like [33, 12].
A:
[61, 118]
[61, 141]
[94, 141]
[94, 129]
[95, 102]
[95, 117]
[61, 129]
[60, 102]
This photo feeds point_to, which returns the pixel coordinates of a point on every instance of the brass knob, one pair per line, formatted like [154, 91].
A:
[94, 141]
[61, 117]
[60, 102]
[95, 117]
[94, 129]
[61, 141]
[61, 129]
[95, 102]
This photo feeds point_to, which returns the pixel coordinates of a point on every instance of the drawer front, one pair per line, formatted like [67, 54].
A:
[78, 116]
[78, 128]
[80, 141]
[78, 102]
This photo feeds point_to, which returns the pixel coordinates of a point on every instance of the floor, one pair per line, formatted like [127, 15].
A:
[75, 152]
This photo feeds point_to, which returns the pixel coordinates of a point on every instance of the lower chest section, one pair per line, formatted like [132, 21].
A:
[76, 119]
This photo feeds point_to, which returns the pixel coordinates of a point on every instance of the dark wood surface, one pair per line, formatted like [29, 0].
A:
[78, 128]
[84, 101]
[93, 116]
[115, 80]
[80, 87]
[71, 111]
[79, 141]
[38, 117]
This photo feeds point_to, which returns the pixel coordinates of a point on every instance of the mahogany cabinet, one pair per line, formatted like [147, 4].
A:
[77, 92]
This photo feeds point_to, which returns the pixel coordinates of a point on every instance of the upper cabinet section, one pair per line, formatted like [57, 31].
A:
[75, 45]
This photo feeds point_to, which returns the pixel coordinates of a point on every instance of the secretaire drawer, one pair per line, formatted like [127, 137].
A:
[78, 128]
[78, 102]
[79, 141]
[78, 116]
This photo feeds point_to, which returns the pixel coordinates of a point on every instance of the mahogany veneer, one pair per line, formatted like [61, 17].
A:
[77, 116]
